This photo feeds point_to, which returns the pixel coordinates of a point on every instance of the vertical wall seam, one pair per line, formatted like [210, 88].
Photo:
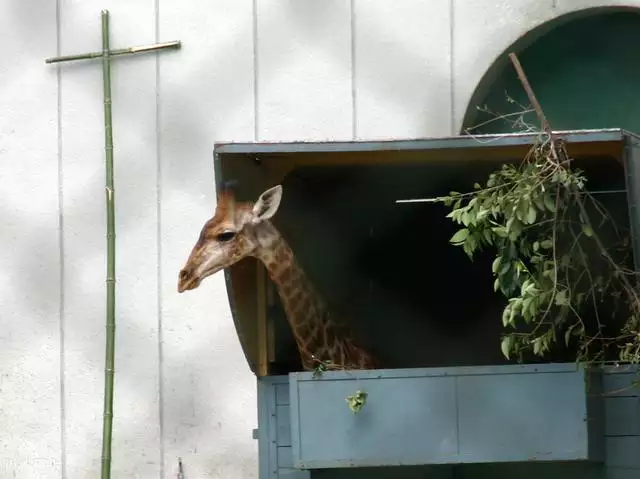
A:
[61, 310]
[256, 125]
[452, 82]
[354, 104]
[159, 305]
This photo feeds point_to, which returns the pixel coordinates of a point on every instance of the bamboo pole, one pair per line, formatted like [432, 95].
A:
[109, 371]
[116, 52]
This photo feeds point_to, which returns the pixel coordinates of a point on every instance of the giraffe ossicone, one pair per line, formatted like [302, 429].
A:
[241, 229]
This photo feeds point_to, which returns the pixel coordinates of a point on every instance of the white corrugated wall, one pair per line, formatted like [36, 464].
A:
[248, 70]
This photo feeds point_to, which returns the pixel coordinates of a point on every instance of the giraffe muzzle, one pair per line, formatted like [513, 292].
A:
[186, 281]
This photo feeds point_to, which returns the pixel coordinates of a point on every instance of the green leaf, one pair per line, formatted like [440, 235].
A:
[523, 209]
[500, 231]
[482, 214]
[546, 244]
[561, 298]
[496, 264]
[567, 334]
[496, 284]
[506, 345]
[526, 307]
[537, 346]
[468, 247]
[460, 236]
[586, 229]
[531, 215]
[504, 269]
[549, 203]
[486, 233]
[506, 314]
[539, 202]
[533, 306]
[515, 228]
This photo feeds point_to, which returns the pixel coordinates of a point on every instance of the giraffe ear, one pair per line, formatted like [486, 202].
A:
[267, 204]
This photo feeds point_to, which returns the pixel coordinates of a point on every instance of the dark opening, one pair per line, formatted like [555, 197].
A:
[405, 292]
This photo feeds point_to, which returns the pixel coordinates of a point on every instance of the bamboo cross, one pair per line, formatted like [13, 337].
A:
[106, 54]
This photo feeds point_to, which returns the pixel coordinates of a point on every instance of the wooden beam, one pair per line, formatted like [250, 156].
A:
[263, 336]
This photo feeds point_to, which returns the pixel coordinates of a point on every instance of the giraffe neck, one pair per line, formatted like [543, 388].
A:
[318, 337]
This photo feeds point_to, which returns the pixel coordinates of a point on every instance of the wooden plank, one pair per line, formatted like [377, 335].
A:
[266, 401]
[546, 411]
[402, 74]
[617, 385]
[197, 324]
[623, 452]
[263, 337]
[406, 421]
[622, 473]
[442, 415]
[271, 333]
[283, 426]
[282, 394]
[622, 416]
[285, 457]
[304, 70]
[32, 295]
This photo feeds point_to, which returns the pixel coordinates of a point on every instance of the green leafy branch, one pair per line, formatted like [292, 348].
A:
[550, 263]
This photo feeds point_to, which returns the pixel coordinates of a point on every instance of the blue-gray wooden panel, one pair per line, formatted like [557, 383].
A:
[401, 472]
[443, 415]
[285, 457]
[416, 418]
[622, 384]
[622, 416]
[620, 473]
[546, 412]
[270, 426]
[266, 400]
[623, 452]
[283, 426]
[282, 394]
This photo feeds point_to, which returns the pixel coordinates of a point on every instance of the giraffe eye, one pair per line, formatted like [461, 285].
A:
[226, 236]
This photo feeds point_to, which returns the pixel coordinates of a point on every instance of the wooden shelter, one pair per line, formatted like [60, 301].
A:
[446, 400]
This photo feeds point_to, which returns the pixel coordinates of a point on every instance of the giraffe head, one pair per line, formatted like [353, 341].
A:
[234, 232]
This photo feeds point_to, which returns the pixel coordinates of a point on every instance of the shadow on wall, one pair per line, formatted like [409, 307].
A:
[584, 68]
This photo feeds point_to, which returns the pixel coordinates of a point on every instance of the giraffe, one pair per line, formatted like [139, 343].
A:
[241, 229]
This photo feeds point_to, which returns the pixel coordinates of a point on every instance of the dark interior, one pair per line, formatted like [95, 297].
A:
[405, 292]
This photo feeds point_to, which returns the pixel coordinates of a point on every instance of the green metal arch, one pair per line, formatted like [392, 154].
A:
[583, 66]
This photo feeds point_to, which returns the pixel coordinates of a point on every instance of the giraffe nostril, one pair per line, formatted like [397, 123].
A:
[183, 274]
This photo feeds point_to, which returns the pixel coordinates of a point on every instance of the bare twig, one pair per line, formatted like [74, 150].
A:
[532, 96]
